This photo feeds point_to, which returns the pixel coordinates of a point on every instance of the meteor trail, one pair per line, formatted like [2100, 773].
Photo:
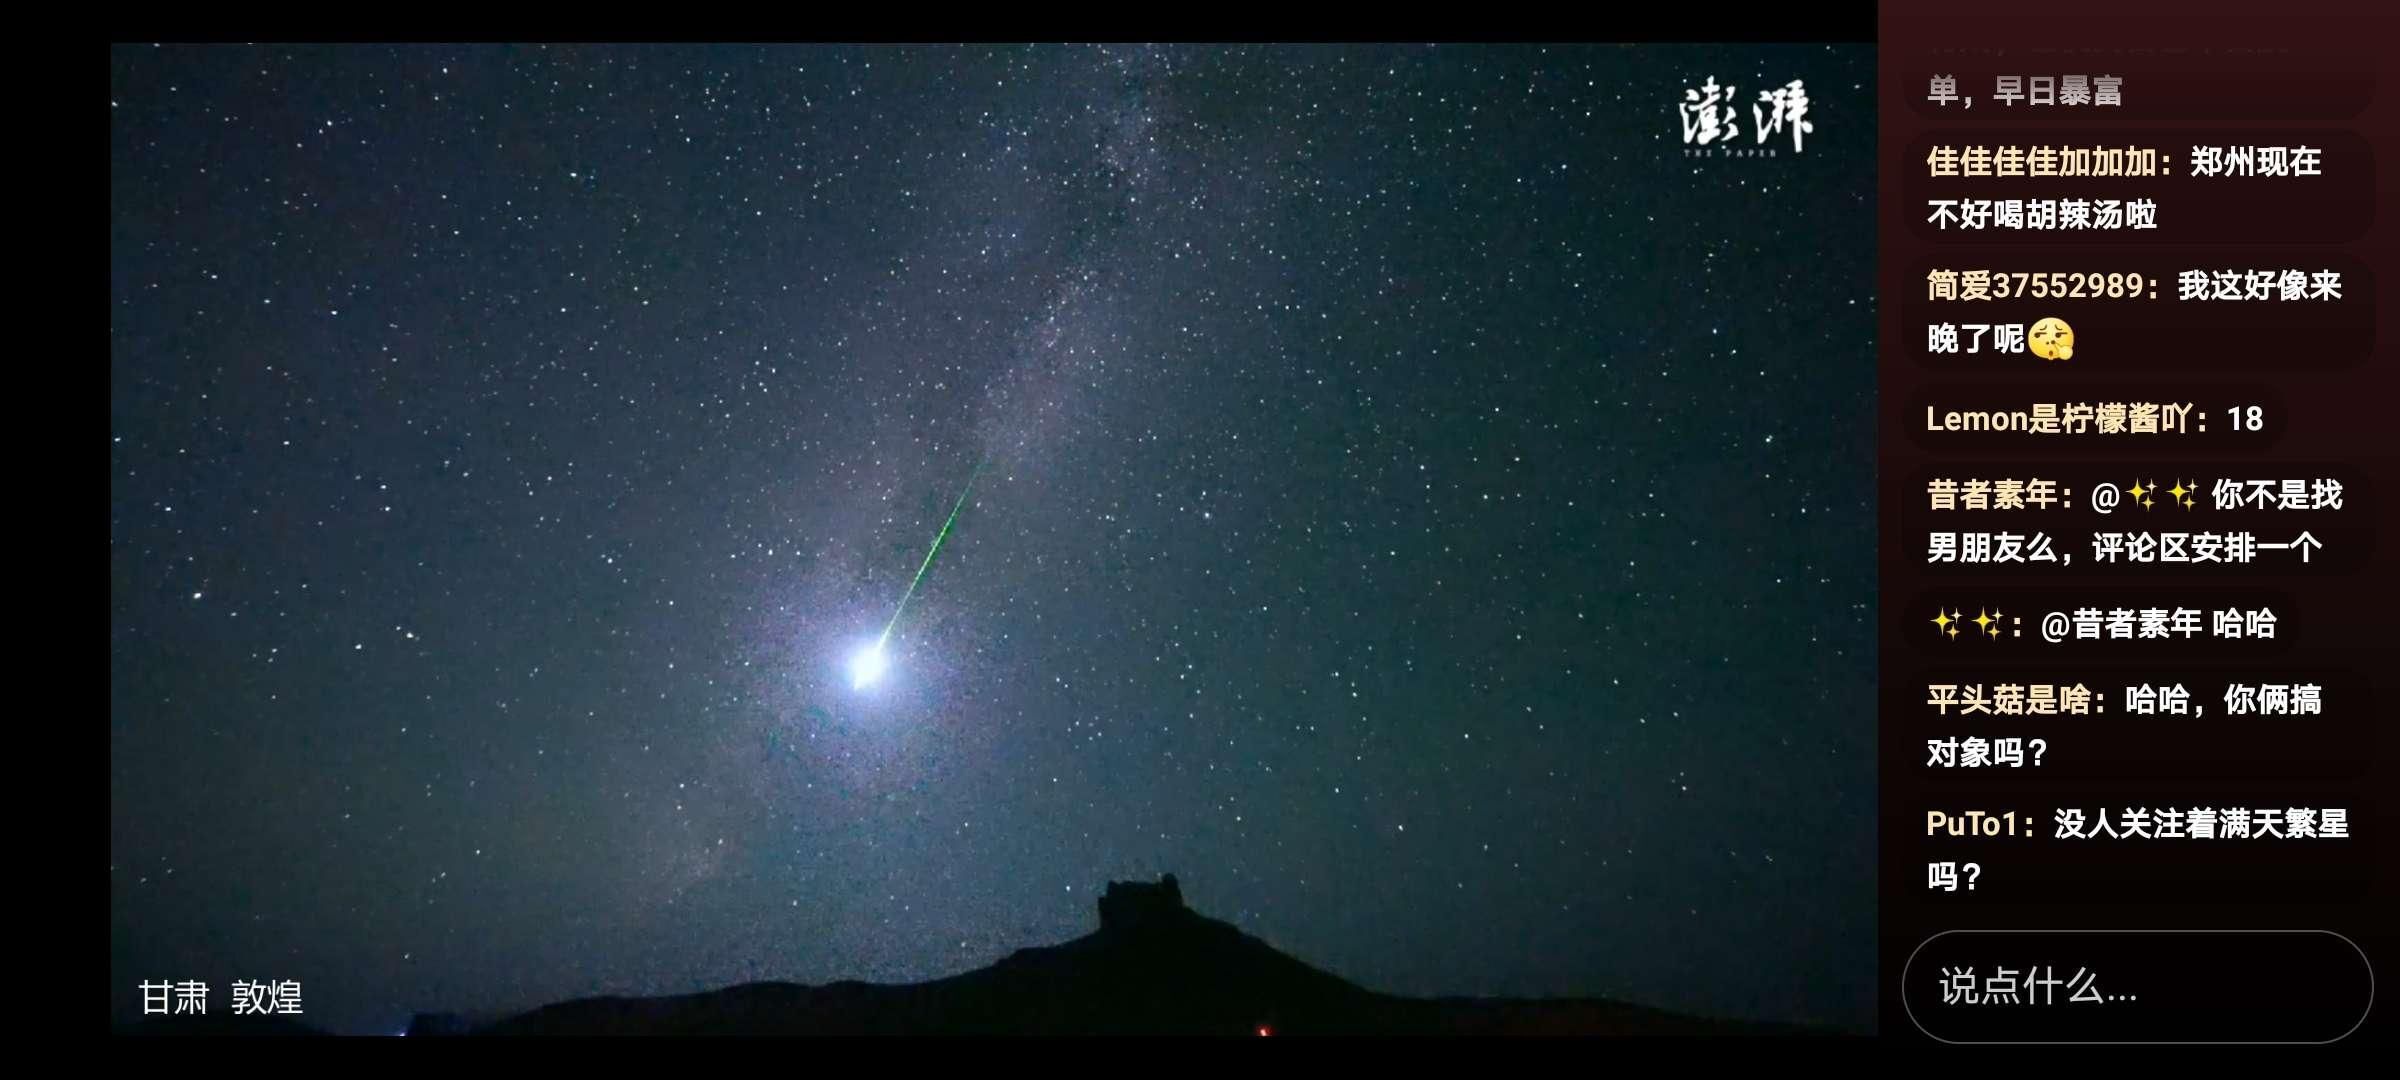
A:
[869, 664]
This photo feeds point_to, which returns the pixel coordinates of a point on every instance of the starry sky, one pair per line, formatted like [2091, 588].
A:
[1420, 508]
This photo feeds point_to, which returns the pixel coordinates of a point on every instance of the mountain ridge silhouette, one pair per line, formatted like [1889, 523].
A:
[1154, 967]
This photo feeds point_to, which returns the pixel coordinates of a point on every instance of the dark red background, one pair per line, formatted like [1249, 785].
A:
[2194, 73]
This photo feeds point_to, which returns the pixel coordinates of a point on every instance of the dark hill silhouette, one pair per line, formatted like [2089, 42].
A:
[1153, 967]
[219, 1023]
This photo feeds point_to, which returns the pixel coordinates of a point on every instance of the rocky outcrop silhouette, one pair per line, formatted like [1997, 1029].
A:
[1154, 967]
[1130, 904]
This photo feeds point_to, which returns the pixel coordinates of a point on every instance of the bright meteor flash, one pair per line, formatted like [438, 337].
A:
[868, 664]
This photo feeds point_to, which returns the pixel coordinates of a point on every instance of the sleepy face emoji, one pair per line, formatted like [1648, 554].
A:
[2051, 339]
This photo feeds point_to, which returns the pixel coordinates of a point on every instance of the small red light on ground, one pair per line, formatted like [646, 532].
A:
[1264, 1030]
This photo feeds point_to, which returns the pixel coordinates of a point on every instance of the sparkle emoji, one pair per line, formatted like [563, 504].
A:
[2052, 339]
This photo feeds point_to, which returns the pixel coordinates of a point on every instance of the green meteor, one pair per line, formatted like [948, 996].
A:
[869, 664]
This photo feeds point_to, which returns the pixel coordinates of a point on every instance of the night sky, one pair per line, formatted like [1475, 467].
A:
[1419, 507]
